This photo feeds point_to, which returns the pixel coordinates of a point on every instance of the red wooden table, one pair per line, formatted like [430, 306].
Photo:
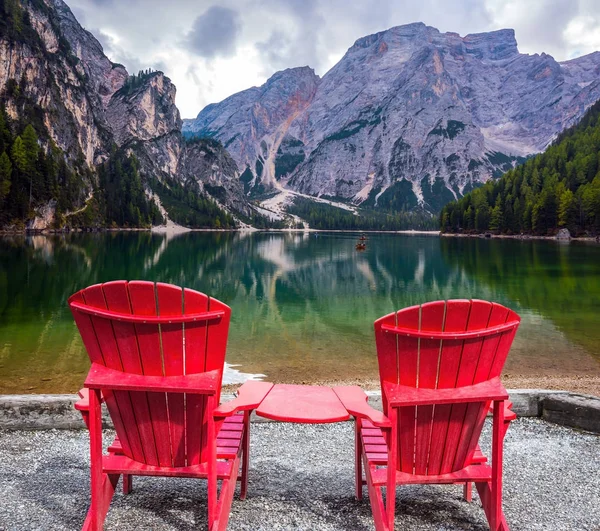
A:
[311, 404]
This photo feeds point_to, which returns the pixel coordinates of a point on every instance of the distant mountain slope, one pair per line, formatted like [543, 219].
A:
[557, 189]
[409, 116]
[88, 113]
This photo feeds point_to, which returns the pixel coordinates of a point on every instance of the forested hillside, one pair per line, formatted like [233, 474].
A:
[326, 217]
[30, 174]
[558, 189]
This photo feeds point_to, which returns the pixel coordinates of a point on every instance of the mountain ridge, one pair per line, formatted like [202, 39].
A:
[87, 112]
[410, 117]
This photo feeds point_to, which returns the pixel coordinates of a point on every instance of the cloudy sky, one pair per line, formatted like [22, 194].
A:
[212, 49]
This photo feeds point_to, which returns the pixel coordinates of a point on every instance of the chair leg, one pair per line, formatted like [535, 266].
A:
[212, 468]
[468, 491]
[127, 483]
[225, 499]
[490, 492]
[377, 506]
[245, 455]
[390, 494]
[358, 477]
[102, 485]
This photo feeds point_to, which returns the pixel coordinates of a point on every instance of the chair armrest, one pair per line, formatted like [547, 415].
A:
[403, 395]
[354, 399]
[100, 377]
[249, 397]
[509, 414]
[83, 404]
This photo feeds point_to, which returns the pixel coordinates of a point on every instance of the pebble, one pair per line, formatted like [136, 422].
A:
[302, 478]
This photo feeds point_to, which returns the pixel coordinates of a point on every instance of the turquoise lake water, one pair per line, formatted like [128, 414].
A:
[303, 304]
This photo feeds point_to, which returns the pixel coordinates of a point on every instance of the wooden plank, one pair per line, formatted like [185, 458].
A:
[116, 295]
[195, 362]
[310, 404]
[118, 403]
[205, 383]
[504, 346]
[432, 318]
[226, 434]
[403, 395]
[439, 334]
[121, 464]
[250, 396]
[143, 303]
[354, 400]
[137, 319]
[408, 355]
[170, 303]
[216, 342]
[457, 315]
[373, 440]
[478, 473]
[490, 344]
[387, 352]
[472, 426]
[228, 443]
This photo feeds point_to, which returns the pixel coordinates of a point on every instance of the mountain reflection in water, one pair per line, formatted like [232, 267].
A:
[302, 306]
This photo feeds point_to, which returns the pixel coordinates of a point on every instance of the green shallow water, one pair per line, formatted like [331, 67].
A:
[303, 304]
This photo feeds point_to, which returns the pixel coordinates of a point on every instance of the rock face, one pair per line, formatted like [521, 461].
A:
[409, 116]
[88, 104]
[253, 124]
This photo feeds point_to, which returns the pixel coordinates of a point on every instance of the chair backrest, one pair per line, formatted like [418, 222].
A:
[442, 344]
[164, 429]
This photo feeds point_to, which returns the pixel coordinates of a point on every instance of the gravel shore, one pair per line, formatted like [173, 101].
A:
[301, 477]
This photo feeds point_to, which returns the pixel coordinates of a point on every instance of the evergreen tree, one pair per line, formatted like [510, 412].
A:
[5, 174]
[559, 188]
[18, 155]
[497, 216]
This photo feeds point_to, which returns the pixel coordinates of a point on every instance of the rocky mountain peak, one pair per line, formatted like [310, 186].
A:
[409, 116]
[54, 74]
[144, 108]
[494, 45]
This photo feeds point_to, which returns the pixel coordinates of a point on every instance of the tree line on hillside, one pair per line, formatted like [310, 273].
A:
[34, 173]
[31, 175]
[324, 216]
[559, 188]
[187, 206]
[123, 201]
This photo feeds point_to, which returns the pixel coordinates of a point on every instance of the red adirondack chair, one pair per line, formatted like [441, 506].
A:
[157, 354]
[439, 365]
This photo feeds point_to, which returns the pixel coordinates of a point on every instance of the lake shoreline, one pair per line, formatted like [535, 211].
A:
[587, 385]
[519, 237]
[161, 229]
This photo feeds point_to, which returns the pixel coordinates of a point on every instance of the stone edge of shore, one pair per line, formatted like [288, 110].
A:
[44, 412]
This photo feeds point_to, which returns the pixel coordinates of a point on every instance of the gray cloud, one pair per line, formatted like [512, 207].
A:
[212, 48]
[214, 33]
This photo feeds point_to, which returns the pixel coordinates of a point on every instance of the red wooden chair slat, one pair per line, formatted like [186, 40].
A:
[159, 432]
[437, 442]
[196, 337]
